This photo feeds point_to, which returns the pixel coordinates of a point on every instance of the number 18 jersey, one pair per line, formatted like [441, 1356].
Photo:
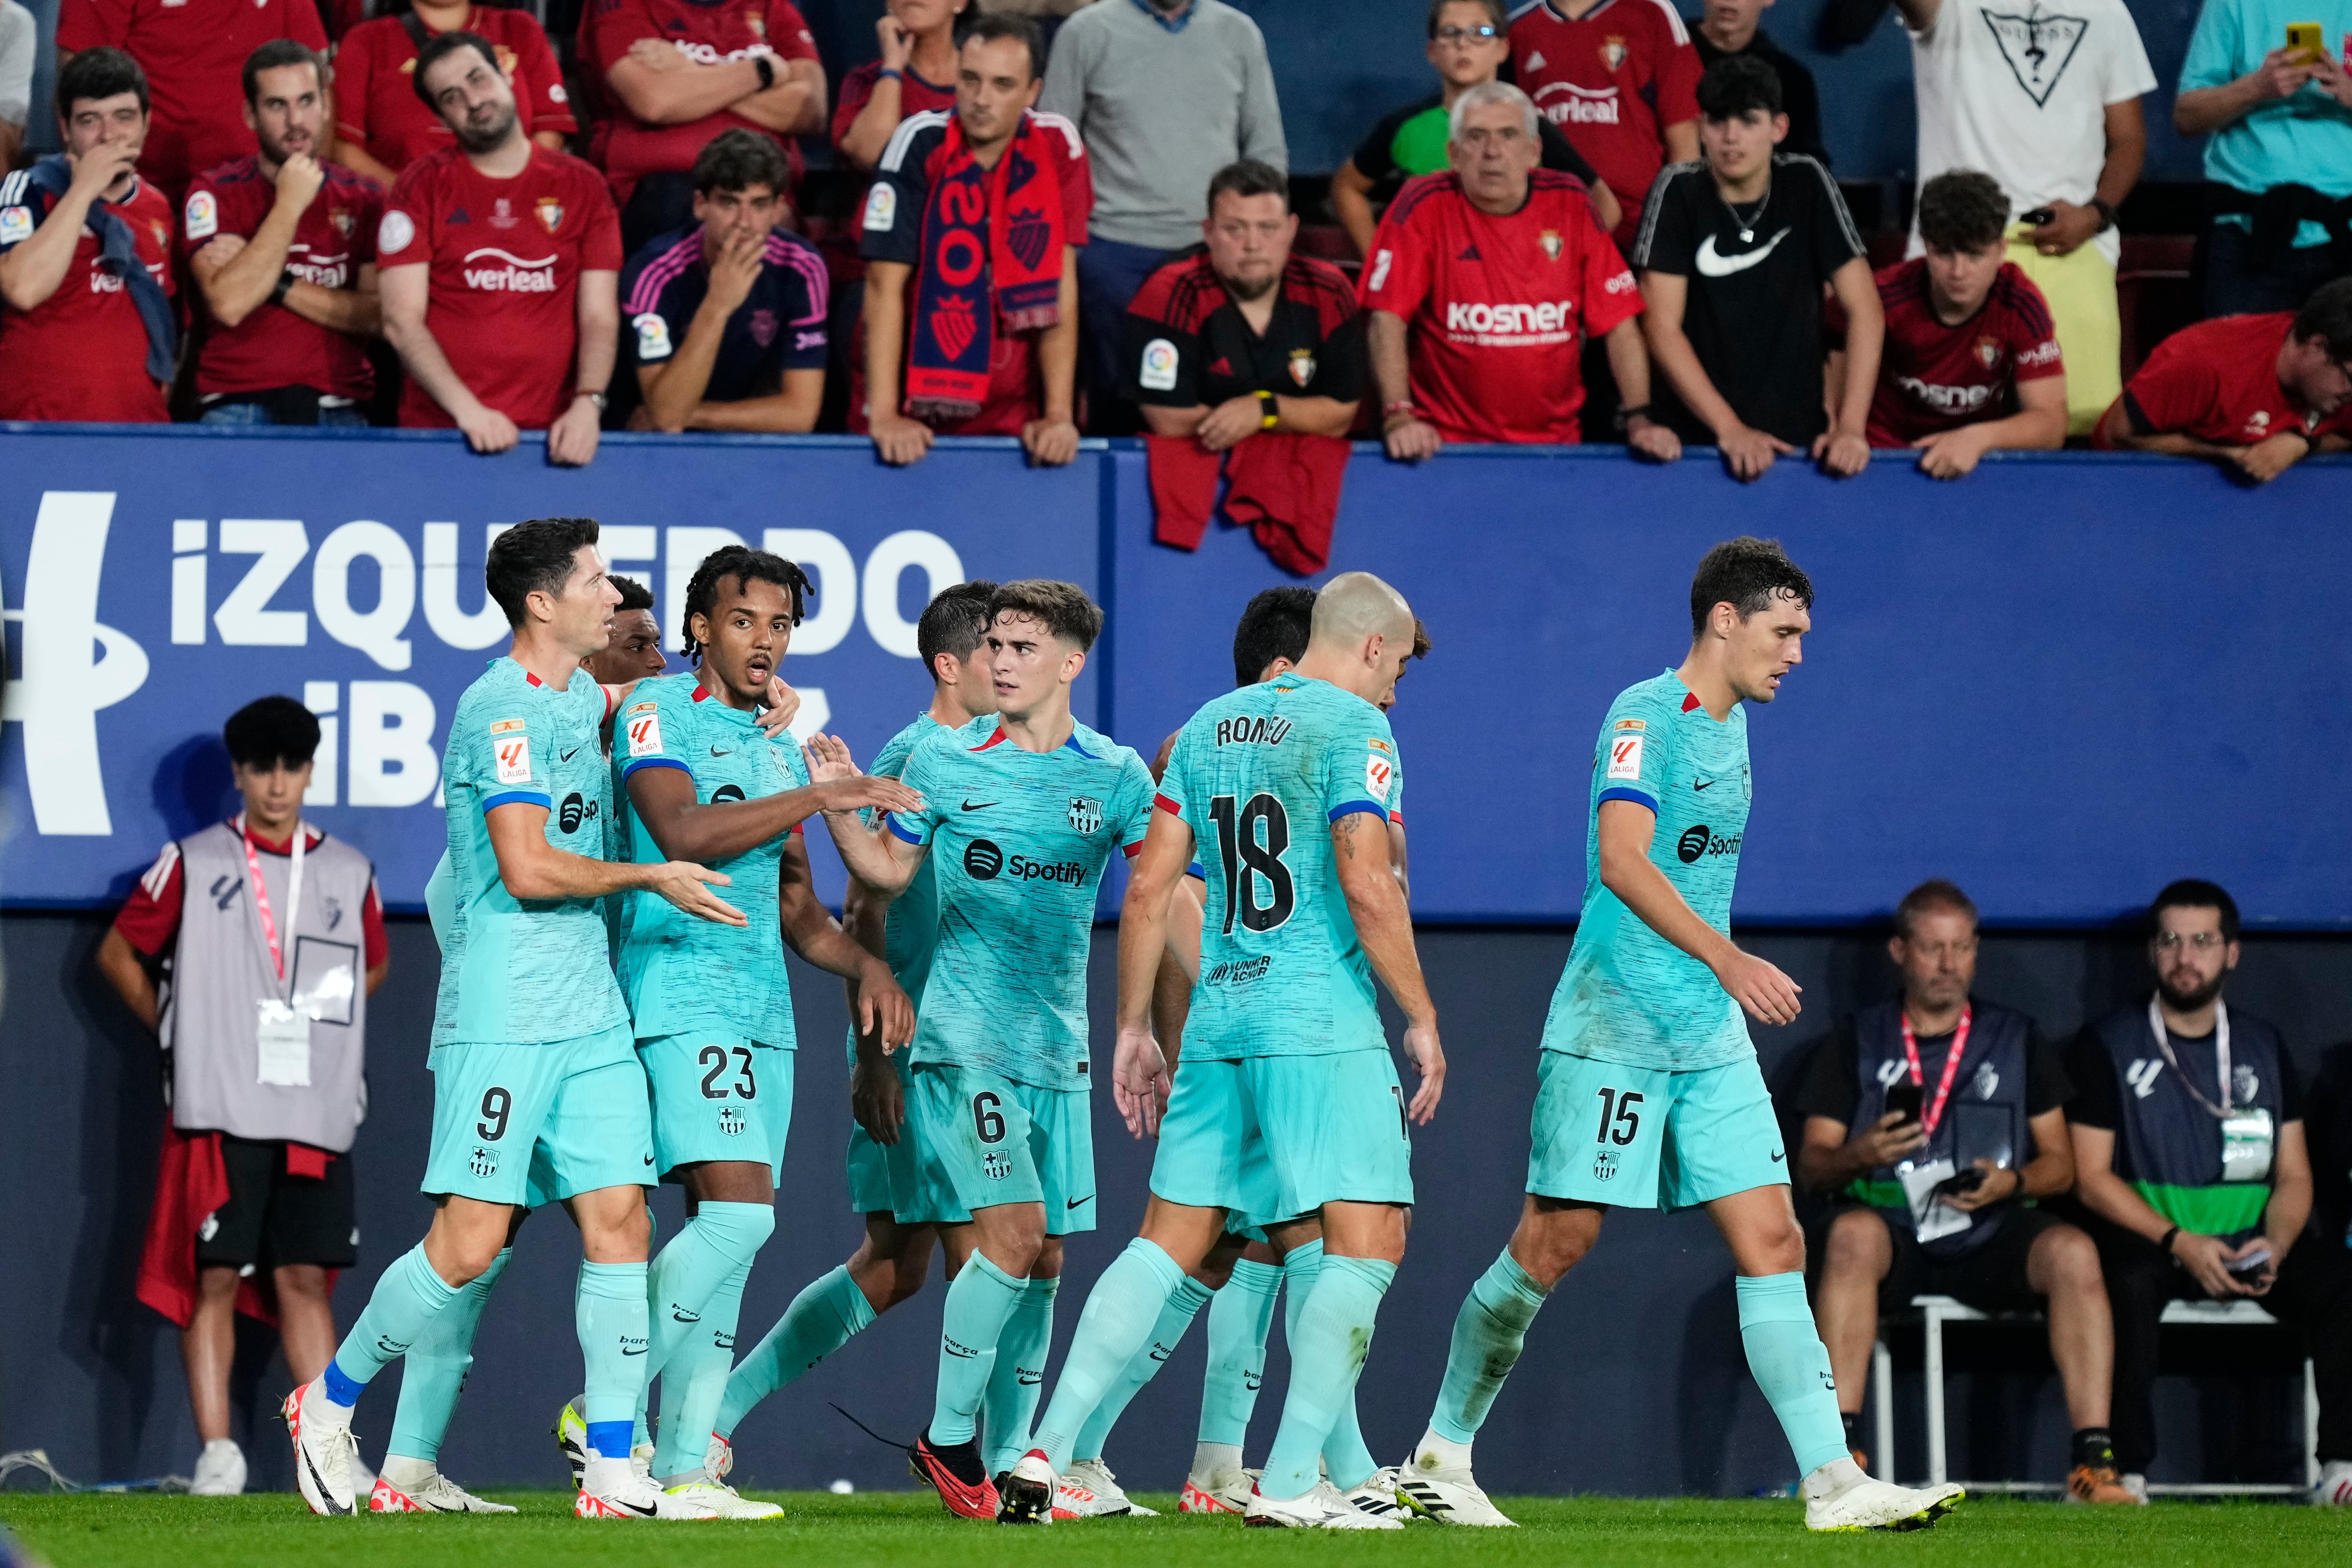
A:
[1260, 775]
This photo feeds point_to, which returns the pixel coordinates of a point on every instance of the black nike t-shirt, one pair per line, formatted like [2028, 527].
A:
[1754, 314]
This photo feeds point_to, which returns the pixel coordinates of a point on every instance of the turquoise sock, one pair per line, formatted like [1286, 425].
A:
[1119, 1314]
[609, 1310]
[1786, 1357]
[696, 1378]
[1009, 1408]
[1184, 1304]
[1344, 1453]
[1334, 1333]
[407, 1297]
[640, 1434]
[820, 1320]
[435, 1372]
[703, 1255]
[1239, 1317]
[1489, 1334]
[980, 1303]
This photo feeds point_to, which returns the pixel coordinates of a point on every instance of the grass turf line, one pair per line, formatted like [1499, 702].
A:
[820, 1531]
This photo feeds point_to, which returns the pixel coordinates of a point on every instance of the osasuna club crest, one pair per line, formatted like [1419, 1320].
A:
[1988, 351]
[1085, 814]
[1612, 52]
[1302, 365]
[550, 213]
[1552, 243]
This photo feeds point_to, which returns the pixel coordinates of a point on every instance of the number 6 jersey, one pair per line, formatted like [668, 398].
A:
[1260, 775]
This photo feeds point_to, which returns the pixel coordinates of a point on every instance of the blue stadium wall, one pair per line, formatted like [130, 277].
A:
[2062, 682]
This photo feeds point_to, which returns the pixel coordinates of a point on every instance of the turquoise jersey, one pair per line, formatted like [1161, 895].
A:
[1628, 995]
[516, 973]
[679, 972]
[2305, 137]
[1259, 775]
[1018, 843]
[913, 923]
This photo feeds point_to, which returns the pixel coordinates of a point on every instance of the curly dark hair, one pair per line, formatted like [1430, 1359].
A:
[1961, 209]
[744, 566]
[1747, 574]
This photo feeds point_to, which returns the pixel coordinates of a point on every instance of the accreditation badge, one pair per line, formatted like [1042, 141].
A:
[2247, 1139]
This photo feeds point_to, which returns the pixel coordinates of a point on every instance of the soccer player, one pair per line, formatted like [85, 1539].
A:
[1971, 359]
[883, 1162]
[1649, 1092]
[2254, 394]
[282, 246]
[87, 329]
[636, 650]
[1289, 1106]
[712, 1004]
[500, 263]
[538, 1094]
[1026, 807]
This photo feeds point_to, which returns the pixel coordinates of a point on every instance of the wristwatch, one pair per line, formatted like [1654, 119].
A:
[286, 281]
[1269, 414]
[767, 68]
[1626, 416]
[597, 398]
[2107, 217]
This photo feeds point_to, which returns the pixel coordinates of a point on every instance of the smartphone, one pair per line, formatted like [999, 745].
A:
[2306, 39]
[1904, 1099]
[2253, 1263]
[2039, 217]
[1966, 1180]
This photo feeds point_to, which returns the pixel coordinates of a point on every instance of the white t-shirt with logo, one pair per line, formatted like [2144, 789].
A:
[2018, 89]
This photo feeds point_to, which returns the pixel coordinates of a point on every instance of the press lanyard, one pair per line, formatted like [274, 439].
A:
[2220, 1054]
[1935, 1113]
[261, 892]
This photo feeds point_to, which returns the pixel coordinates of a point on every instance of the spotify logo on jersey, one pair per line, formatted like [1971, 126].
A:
[726, 792]
[574, 808]
[983, 860]
[1692, 844]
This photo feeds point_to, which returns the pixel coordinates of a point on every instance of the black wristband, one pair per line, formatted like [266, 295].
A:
[2108, 216]
[2163, 1242]
[1626, 416]
[767, 68]
[286, 281]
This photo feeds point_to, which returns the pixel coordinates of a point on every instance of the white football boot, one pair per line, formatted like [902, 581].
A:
[1378, 1498]
[1447, 1494]
[1088, 1490]
[1320, 1507]
[436, 1493]
[220, 1470]
[1838, 1495]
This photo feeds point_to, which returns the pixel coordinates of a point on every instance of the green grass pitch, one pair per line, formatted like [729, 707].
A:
[895, 1529]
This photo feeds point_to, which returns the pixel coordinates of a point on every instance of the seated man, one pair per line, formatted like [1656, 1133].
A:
[1482, 281]
[86, 323]
[2189, 1145]
[500, 263]
[1920, 1112]
[727, 317]
[975, 298]
[282, 247]
[2255, 393]
[1237, 345]
[670, 75]
[1468, 42]
[1971, 360]
[1734, 252]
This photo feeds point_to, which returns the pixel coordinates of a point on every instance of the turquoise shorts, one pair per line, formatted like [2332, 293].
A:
[535, 1124]
[718, 1097]
[1269, 1139]
[888, 1178]
[982, 1140]
[1644, 1138]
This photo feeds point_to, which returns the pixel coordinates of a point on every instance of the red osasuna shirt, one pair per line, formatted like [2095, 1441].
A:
[2218, 382]
[1495, 307]
[1612, 80]
[915, 96]
[705, 31]
[1933, 377]
[194, 54]
[81, 353]
[150, 917]
[376, 105]
[333, 238]
[506, 259]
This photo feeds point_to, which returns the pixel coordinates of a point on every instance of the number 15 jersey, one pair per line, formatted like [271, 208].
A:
[1260, 775]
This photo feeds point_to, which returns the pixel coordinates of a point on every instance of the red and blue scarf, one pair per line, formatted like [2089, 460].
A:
[993, 243]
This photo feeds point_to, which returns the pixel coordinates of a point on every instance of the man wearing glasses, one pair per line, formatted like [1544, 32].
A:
[1468, 42]
[2255, 393]
[2189, 1146]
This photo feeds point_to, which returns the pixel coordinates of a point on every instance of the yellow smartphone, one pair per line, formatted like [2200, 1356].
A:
[2306, 39]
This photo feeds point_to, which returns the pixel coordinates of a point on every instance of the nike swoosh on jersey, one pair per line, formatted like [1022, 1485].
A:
[983, 806]
[569, 756]
[1702, 784]
[1778, 1156]
[722, 751]
[1713, 265]
[1087, 1199]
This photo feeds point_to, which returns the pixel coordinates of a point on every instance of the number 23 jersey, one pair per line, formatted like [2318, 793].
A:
[1260, 775]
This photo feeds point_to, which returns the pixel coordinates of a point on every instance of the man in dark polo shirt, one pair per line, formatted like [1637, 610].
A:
[1937, 1117]
[1236, 346]
[2189, 1145]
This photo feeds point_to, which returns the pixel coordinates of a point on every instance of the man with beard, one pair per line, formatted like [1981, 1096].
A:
[282, 247]
[500, 270]
[2189, 1144]
[1247, 358]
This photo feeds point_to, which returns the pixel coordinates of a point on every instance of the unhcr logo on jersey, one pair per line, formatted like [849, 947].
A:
[1240, 972]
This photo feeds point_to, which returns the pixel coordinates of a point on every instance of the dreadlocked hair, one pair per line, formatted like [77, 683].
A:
[743, 565]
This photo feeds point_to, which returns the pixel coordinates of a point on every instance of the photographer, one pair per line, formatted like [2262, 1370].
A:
[2189, 1145]
[1918, 1112]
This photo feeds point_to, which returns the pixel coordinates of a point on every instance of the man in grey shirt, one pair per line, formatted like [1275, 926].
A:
[1164, 93]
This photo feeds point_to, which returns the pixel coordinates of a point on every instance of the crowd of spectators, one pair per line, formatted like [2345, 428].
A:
[604, 230]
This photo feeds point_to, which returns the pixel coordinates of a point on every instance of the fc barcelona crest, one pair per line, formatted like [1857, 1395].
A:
[550, 213]
[1085, 814]
[1302, 366]
[1612, 51]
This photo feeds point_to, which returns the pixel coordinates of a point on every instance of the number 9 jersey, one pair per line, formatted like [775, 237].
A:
[1259, 775]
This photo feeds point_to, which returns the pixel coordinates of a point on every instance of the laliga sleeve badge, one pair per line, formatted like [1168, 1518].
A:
[15, 225]
[394, 232]
[645, 730]
[1625, 757]
[881, 208]
[203, 215]
[510, 747]
[1158, 373]
[1379, 772]
[652, 336]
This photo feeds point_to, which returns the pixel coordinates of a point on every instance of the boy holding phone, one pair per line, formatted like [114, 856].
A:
[1920, 1112]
